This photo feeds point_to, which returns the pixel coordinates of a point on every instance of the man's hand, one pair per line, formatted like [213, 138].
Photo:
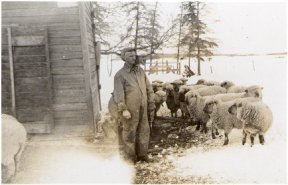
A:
[126, 114]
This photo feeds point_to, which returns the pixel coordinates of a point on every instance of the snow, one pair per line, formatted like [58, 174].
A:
[233, 163]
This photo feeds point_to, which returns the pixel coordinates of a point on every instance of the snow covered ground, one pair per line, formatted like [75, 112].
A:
[233, 163]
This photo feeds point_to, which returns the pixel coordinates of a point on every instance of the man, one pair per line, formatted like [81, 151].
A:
[134, 97]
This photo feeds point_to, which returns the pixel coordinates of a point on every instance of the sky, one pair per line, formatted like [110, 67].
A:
[258, 27]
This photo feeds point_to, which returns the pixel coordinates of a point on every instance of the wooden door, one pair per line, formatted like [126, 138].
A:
[31, 101]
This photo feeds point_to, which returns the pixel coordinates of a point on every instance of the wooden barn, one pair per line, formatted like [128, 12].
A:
[50, 65]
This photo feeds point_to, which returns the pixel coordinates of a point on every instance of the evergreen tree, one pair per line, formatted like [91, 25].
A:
[198, 46]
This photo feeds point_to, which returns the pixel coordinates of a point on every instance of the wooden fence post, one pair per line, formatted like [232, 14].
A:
[11, 65]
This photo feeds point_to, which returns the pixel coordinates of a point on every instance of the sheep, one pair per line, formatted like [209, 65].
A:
[195, 105]
[184, 80]
[195, 108]
[232, 88]
[183, 107]
[207, 82]
[182, 91]
[170, 101]
[211, 90]
[13, 143]
[256, 117]
[160, 98]
[233, 96]
[220, 117]
[157, 85]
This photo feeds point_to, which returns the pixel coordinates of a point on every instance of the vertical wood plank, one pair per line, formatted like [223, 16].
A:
[49, 77]
[13, 102]
[85, 50]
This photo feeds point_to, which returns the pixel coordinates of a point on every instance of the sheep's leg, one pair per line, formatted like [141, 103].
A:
[198, 125]
[204, 128]
[226, 140]
[212, 133]
[261, 139]
[217, 133]
[244, 138]
[213, 128]
[17, 157]
[252, 140]
[9, 172]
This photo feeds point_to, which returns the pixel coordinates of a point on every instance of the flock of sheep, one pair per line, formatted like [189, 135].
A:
[221, 105]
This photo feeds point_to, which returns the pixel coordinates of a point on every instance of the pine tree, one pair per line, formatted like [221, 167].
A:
[194, 39]
[100, 25]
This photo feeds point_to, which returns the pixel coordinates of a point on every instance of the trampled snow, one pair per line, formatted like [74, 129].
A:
[233, 163]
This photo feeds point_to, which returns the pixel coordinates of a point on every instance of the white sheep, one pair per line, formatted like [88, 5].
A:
[184, 80]
[13, 143]
[211, 90]
[157, 85]
[195, 104]
[207, 82]
[232, 88]
[256, 117]
[160, 98]
[182, 91]
[233, 96]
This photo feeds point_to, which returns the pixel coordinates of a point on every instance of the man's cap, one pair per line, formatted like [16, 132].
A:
[123, 51]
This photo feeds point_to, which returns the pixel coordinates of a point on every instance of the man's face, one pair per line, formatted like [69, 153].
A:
[130, 57]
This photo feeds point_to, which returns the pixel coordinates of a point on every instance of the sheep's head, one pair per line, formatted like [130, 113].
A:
[182, 91]
[169, 89]
[227, 84]
[191, 97]
[157, 81]
[236, 108]
[210, 105]
[161, 94]
[154, 86]
[176, 85]
[201, 81]
[184, 80]
[254, 91]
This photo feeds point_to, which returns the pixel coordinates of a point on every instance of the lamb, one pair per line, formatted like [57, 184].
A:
[13, 143]
[207, 82]
[256, 117]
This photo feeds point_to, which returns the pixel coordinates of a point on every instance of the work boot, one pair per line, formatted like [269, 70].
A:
[144, 159]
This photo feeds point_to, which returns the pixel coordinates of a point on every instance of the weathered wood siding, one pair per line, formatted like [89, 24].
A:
[90, 57]
[5, 75]
[70, 60]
